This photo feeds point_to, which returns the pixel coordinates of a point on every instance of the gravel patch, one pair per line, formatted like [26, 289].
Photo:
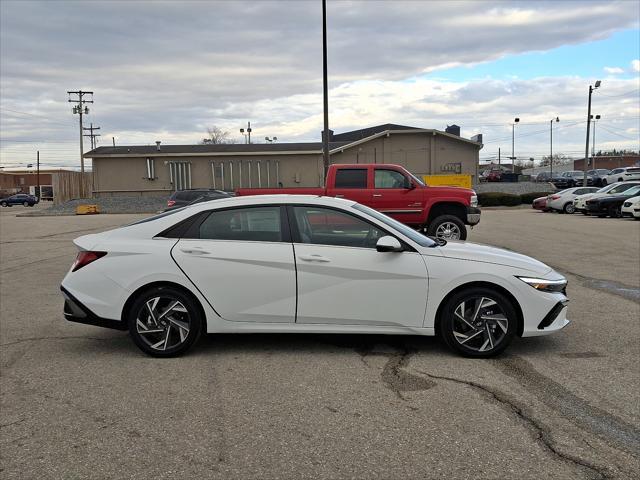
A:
[105, 205]
[517, 188]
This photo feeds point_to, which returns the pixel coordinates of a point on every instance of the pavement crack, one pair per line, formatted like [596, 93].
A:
[541, 433]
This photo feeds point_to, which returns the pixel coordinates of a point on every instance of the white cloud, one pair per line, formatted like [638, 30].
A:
[613, 70]
[635, 65]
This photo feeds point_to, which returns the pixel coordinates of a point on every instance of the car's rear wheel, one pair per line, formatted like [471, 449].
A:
[447, 227]
[26, 204]
[569, 207]
[604, 182]
[478, 322]
[164, 322]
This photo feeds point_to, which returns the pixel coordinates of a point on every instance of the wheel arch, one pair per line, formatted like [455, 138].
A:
[456, 209]
[160, 284]
[477, 284]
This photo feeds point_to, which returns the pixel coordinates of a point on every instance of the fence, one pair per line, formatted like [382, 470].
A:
[70, 185]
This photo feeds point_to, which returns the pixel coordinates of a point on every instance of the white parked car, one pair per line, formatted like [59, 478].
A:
[621, 175]
[631, 208]
[289, 263]
[562, 201]
[580, 202]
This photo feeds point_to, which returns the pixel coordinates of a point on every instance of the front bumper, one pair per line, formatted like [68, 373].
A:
[554, 320]
[473, 215]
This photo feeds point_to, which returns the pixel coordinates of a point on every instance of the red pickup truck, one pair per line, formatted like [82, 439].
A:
[438, 211]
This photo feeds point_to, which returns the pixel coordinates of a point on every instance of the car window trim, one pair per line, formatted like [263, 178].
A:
[297, 238]
[193, 232]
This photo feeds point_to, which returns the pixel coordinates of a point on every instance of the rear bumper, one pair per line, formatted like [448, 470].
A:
[76, 311]
[473, 215]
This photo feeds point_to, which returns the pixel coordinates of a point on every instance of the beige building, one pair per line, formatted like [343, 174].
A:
[160, 169]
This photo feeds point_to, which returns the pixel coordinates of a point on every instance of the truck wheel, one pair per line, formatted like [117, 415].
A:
[447, 227]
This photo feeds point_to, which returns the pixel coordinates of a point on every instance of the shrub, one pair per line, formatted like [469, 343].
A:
[528, 198]
[492, 199]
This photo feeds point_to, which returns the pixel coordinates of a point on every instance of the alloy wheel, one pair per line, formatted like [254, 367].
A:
[448, 231]
[480, 324]
[163, 323]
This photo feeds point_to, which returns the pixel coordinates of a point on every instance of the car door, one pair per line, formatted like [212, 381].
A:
[352, 183]
[241, 259]
[343, 279]
[394, 196]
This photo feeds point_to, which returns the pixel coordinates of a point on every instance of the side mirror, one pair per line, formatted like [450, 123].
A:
[389, 244]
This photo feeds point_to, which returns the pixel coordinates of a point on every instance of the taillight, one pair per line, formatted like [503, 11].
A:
[554, 197]
[85, 258]
[171, 203]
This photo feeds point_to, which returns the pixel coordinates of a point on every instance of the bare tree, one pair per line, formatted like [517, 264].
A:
[216, 135]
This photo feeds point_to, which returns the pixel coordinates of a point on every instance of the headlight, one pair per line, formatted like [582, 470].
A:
[544, 285]
[474, 200]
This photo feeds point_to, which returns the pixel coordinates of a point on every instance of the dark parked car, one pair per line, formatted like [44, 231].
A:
[19, 199]
[611, 205]
[598, 174]
[571, 179]
[182, 198]
[542, 177]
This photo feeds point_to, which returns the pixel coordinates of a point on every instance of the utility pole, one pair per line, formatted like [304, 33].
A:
[113, 139]
[499, 160]
[92, 135]
[325, 91]
[77, 97]
[586, 148]
[38, 175]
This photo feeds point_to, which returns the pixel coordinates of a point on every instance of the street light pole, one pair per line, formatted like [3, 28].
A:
[593, 144]
[586, 148]
[325, 91]
[513, 141]
[557, 119]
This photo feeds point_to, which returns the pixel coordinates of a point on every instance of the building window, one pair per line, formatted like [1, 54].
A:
[151, 169]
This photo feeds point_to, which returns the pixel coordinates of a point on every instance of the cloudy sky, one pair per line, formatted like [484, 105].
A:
[168, 70]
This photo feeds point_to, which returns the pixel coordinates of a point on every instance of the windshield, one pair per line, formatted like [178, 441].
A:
[156, 217]
[633, 191]
[396, 225]
[623, 187]
[417, 180]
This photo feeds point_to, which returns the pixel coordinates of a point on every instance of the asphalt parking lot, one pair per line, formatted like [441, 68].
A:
[84, 402]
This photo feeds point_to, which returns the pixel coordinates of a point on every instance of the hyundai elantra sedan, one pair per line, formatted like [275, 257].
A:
[304, 264]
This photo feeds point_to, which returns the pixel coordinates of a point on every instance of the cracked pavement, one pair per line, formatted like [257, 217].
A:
[82, 402]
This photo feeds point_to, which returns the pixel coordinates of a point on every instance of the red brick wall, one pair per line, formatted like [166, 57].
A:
[609, 162]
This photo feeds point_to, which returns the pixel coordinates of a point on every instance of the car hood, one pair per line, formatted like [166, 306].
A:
[590, 196]
[486, 254]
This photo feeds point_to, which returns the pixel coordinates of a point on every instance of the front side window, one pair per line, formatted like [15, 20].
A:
[351, 178]
[325, 226]
[620, 188]
[389, 179]
[258, 224]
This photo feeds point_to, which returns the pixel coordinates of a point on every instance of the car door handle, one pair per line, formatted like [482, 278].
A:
[194, 251]
[377, 194]
[314, 258]
[339, 195]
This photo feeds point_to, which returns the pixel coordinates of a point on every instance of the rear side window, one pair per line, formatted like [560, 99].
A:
[351, 178]
[258, 224]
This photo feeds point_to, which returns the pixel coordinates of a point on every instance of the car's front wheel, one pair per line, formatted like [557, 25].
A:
[26, 204]
[447, 227]
[4, 204]
[164, 322]
[478, 322]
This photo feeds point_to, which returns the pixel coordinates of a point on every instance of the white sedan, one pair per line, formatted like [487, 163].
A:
[286, 263]
[563, 201]
[631, 208]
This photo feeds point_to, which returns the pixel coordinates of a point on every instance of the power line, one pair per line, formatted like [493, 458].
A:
[78, 109]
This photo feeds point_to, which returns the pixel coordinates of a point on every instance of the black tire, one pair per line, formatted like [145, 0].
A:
[615, 212]
[26, 204]
[569, 208]
[168, 295]
[449, 321]
[443, 221]
[604, 182]
[4, 204]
